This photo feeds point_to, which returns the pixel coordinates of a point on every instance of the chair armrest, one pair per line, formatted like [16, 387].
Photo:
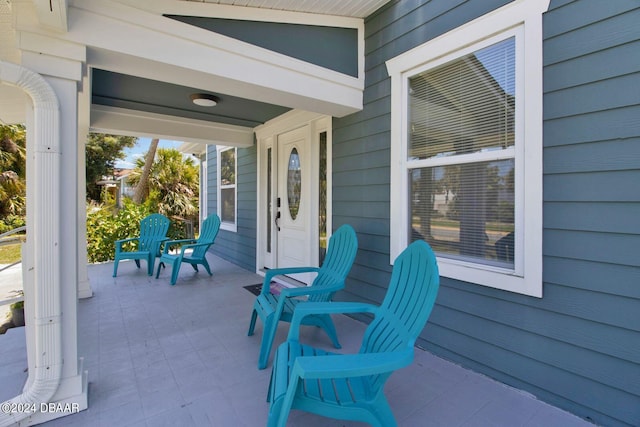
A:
[171, 243]
[194, 245]
[351, 365]
[309, 308]
[119, 243]
[131, 239]
[270, 274]
[309, 290]
[157, 245]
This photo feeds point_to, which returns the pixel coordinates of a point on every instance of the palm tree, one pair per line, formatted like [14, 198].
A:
[13, 169]
[173, 183]
[142, 189]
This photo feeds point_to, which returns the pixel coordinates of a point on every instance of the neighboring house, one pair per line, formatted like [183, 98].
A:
[505, 133]
[118, 185]
[125, 189]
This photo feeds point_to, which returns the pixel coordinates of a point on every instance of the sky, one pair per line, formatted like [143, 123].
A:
[141, 148]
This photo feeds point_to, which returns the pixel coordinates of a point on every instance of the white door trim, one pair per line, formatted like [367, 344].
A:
[266, 137]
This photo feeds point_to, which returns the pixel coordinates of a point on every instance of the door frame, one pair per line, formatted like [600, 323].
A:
[266, 138]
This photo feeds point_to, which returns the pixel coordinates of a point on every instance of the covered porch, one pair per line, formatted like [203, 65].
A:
[180, 356]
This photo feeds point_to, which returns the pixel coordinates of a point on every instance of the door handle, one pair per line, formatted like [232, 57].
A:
[277, 220]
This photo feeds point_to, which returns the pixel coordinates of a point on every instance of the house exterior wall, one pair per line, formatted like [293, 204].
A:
[238, 247]
[578, 347]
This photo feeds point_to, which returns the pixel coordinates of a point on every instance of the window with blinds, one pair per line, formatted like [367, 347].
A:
[466, 149]
[461, 156]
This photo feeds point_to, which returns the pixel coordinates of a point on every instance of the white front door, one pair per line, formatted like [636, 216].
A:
[293, 199]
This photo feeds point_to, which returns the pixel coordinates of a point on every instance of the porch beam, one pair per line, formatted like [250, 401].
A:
[122, 121]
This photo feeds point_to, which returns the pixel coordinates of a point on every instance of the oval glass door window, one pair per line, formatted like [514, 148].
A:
[294, 183]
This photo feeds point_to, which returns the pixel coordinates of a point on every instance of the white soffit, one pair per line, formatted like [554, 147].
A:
[192, 148]
[348, 8]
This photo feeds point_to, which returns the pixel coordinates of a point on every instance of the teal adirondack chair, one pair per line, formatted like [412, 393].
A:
[199, 246]
[271, 308]
[350, 386]
[153, 231]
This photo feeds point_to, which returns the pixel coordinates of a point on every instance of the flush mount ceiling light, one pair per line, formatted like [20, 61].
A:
[204, 99]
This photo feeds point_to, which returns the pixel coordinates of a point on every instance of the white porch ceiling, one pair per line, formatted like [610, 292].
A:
[350, 8]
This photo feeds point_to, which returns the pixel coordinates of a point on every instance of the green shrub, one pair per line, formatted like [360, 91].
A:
[104, 228]
[106, 224]
[11, 222]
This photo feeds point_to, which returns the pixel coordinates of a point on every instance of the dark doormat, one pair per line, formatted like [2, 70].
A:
[254, 289]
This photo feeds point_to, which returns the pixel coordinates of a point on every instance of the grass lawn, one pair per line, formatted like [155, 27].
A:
[10, 253]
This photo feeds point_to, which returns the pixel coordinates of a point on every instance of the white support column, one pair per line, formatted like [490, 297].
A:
[55, 245]
[84, 106]
[67, 194]
[73, 382]
[49, 347]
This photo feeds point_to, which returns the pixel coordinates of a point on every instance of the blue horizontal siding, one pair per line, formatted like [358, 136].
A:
[609, 94]
[578, 347]
[554, 385]
[607, 217]
[593, 67]
[596, 126]
[574, 16]
[592, 36]
[593, 246]
[238, 247]
[595, 276]
[593, 186]
[600, 156]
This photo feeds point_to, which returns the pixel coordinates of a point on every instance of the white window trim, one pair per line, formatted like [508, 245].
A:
[204, 176]
[525, 18]
[226, 225]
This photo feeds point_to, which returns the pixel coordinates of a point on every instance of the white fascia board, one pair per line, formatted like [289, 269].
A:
[51, 56]
[285, 122]
[190, 56]
[52, 66]
[38, 43]
[123, 121]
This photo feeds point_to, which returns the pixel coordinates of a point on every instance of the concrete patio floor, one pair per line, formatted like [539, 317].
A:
[161, 355]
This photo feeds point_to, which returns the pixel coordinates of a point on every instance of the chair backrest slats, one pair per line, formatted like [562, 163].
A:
[343, 246]
[208, 233]
[407, 305]
[152, 228]
[408, 302]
